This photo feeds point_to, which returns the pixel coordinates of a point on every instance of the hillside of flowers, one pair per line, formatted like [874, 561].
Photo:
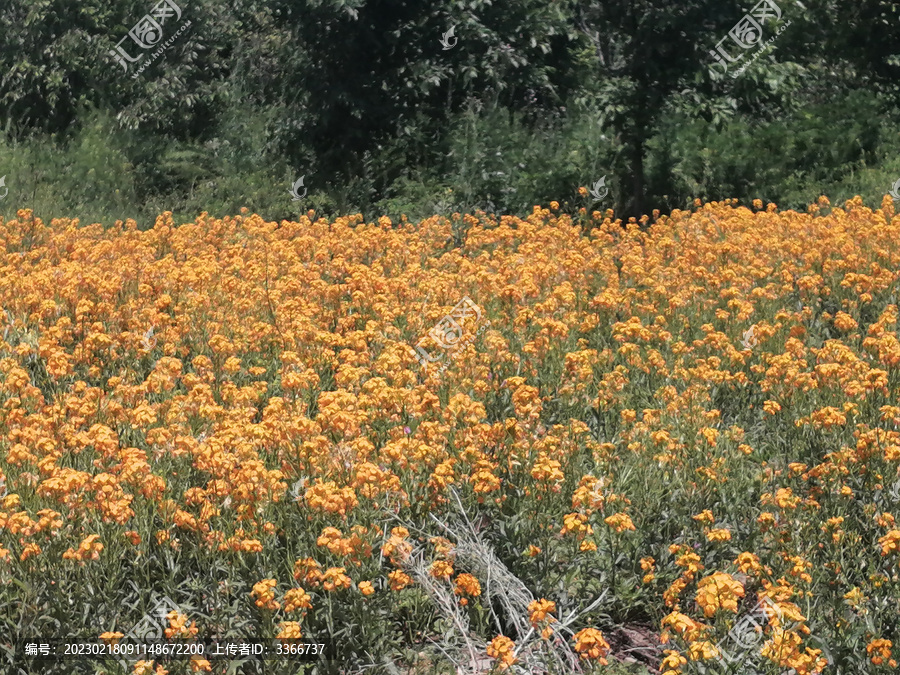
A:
[649, 429]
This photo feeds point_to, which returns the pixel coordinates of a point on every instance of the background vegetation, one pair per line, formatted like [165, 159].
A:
[536, 98]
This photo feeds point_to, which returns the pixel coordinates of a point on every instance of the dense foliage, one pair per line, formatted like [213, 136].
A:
[654, 428]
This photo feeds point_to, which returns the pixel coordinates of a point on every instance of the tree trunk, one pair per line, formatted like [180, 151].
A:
[637, 174]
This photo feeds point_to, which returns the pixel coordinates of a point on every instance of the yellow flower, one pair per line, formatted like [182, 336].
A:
[720, 534]
[718, 591]
[854, 597]
[702, 651]
[619, 522]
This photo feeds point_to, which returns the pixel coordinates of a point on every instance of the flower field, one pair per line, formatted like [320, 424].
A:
[459, 445]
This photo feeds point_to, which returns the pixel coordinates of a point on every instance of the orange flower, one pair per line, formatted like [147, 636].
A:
[590, 644]
[718, 591]
[467, 585]
[334, 579]
[890, 543]
[111, 637]
[879, 650]
[502, 649]
[296, 598]
[290, 630]
[90, 549]
[199, 664]
[720, 534]
[399, 580]
[441, 569]
[672, 663]
[30, 550]
[146, 668]
[263, 591]
[308, 571]
[178, 627]
[540, 610]
[619, 522]
[702, 651]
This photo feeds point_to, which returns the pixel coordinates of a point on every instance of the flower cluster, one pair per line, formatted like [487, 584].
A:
[635, 392]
